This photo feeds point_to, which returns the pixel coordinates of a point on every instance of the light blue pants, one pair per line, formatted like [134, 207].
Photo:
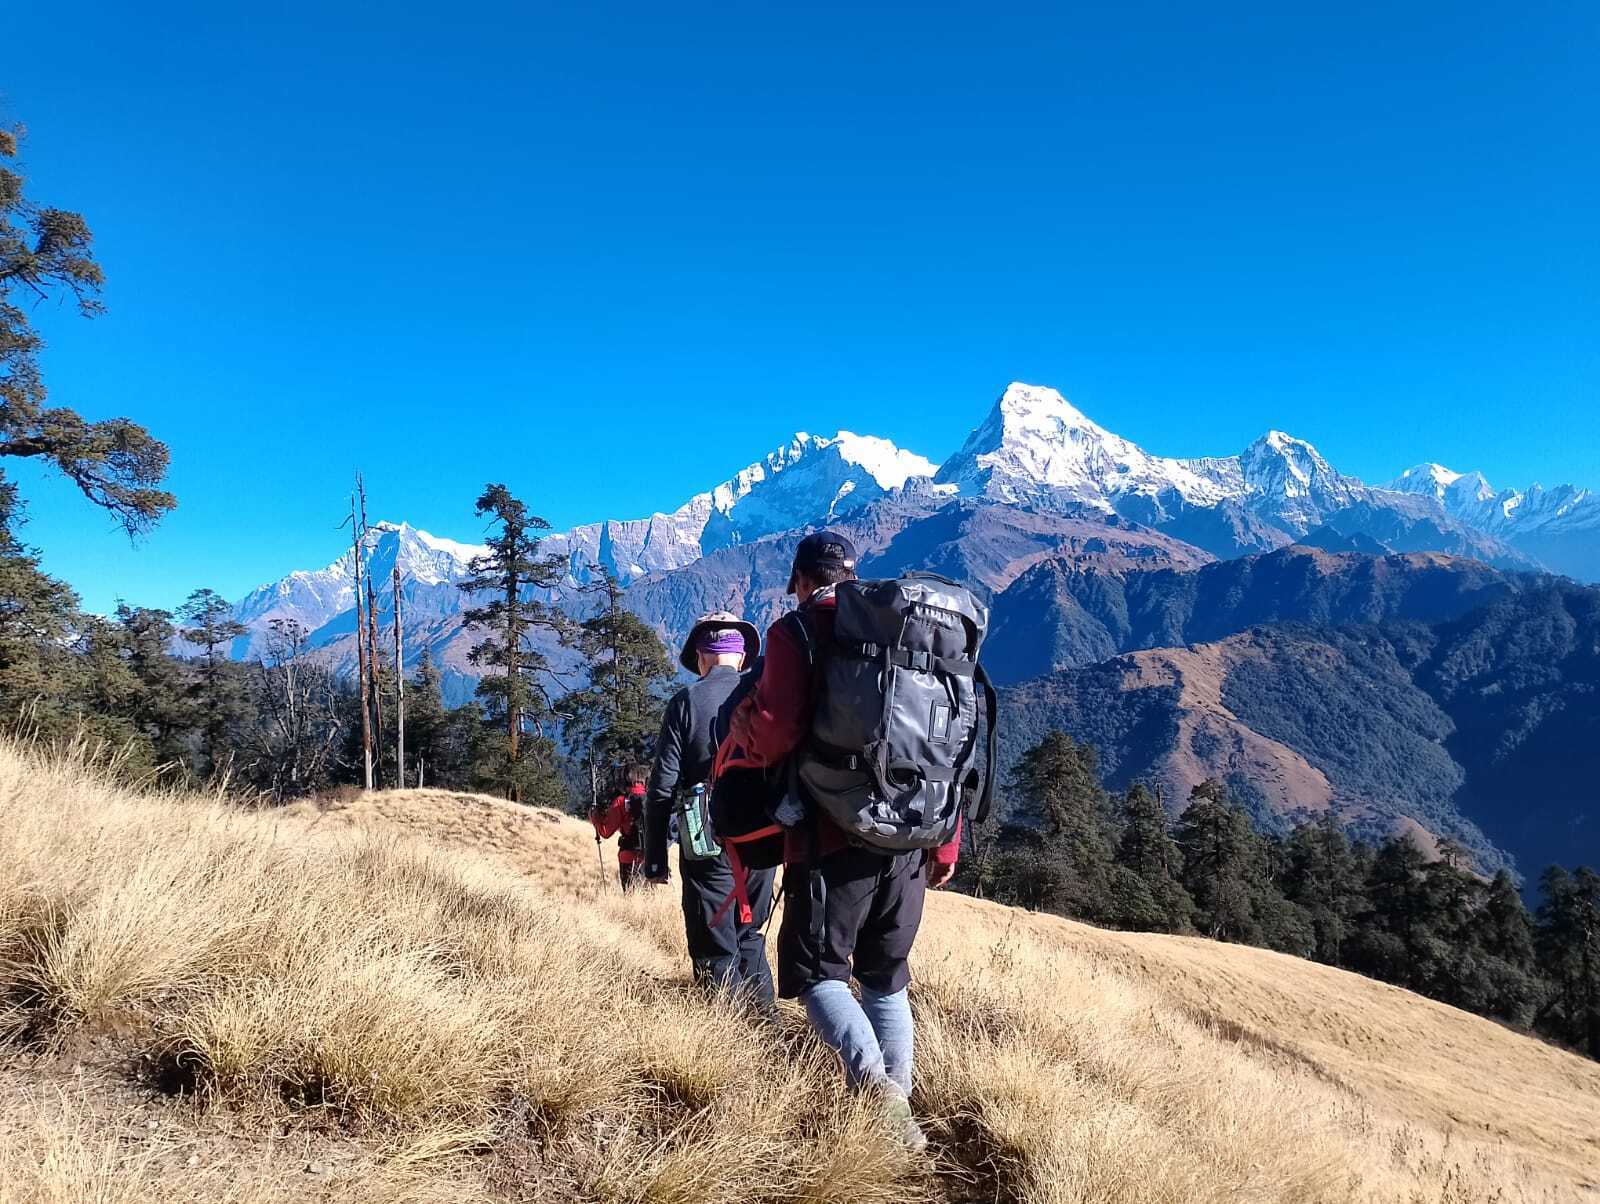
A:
[873, 1038]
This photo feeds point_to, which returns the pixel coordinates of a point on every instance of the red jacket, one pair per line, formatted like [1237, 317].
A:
[620, 819]
[772, 721]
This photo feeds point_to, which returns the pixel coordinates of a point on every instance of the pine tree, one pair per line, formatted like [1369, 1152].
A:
[1146, 886]
[520, 764]
[1569, 953]
[47, 254]
[163, 705]
[613, 720]
[1224, 866]
[106, 693]
[1505, 929]
[219, 687]
[438, 739]
[39, 675]
[1398, 936]
[1323, 875]
[1501, 936]
[1064, 865]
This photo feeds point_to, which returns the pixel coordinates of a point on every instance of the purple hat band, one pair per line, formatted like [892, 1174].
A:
[719, 641]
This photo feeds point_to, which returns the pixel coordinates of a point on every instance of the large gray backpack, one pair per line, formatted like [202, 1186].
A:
[892, 755]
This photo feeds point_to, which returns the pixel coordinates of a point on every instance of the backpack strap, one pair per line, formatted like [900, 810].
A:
[741, 877]
[991, 748]
[922, 662]
[798, 628]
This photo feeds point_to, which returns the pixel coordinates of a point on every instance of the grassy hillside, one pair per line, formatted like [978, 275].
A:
[428, 997]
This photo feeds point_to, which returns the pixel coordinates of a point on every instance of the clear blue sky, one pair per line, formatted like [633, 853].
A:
[609, 253]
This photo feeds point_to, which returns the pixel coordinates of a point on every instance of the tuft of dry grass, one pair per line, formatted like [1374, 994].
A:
[450, 991]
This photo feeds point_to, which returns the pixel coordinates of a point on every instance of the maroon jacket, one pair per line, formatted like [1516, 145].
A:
[776, 716]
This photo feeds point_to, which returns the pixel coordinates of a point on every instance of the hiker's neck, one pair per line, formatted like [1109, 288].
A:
[710, 661]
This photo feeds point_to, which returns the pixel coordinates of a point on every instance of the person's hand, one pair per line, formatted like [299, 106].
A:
[657, 879]
[940, 873]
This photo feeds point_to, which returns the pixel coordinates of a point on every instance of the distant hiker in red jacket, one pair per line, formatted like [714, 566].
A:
[857, 910]
[624, 819]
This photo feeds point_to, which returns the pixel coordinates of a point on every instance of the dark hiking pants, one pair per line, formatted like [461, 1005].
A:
[858, 913]
[729, 955]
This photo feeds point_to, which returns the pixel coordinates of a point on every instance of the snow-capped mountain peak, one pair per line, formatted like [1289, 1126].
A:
[1425, 478]
[1437, 481]
[812, 478]
[428, 565]
[1037, 447]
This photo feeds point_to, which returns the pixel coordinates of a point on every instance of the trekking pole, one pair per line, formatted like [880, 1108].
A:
[600, 860]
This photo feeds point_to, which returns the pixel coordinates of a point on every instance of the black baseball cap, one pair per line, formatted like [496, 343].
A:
[822, 550]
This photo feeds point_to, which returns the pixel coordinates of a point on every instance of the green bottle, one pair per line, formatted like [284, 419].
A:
[696, 839]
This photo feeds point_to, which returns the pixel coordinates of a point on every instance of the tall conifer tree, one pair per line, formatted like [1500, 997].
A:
[519, 763]
[1569, 948]
[163, 705]
[1148, 883]
[1064, 864]
[1224, 865]
[219, 688]
[39, 675]
[614, 719]
[1323, 875]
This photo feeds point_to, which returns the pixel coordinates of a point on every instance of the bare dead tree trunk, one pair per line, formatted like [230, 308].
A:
[399, 691]
[372, 659]
[356, 539]
[372, 700]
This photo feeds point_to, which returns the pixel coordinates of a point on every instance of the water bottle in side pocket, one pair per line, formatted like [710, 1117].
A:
[697, 841]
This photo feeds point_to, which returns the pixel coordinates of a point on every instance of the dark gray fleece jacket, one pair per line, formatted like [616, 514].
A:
[685, 750]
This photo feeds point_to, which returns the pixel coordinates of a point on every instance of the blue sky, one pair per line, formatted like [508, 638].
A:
[609, 253]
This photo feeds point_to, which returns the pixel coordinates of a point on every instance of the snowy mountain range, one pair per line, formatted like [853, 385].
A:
[1558, 527]
[1038, 449]
[1035, 452]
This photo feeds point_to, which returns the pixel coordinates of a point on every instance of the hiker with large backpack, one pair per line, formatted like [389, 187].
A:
[727, 946]
[871, 693]
[624, 819]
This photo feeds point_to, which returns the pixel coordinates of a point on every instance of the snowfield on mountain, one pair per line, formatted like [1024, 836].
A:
[420, 996]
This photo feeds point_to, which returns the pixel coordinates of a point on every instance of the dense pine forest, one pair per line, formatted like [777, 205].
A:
[1388, 910]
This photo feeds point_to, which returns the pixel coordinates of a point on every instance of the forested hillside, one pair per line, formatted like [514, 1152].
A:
[1066, 611]
[1481, 728]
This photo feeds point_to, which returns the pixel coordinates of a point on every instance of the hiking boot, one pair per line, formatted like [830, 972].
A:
[903, 1125]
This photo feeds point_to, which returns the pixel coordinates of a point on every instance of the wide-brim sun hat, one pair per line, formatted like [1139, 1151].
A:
[689, 658]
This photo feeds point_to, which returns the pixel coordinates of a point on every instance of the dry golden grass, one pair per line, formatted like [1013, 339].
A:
[421, 996]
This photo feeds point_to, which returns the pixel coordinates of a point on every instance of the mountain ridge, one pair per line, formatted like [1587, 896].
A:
[1035, 453]
[1037, 450]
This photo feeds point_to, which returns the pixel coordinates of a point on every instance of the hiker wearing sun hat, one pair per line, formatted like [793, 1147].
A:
[727, 950]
